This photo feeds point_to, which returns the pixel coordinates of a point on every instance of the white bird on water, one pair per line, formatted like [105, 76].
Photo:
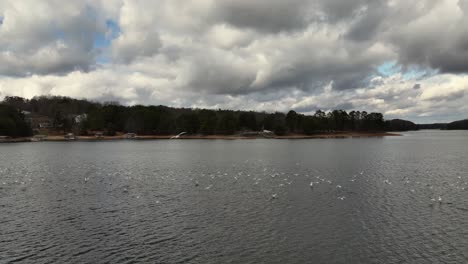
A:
[178, 135]
[341, 198]
[311, 184]
[274, 196]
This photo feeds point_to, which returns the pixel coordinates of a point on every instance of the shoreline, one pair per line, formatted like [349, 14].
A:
[205, 137]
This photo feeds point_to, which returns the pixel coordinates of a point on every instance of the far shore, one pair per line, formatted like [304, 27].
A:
[56, 138]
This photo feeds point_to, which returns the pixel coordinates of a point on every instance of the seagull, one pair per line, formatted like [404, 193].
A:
[178, 135]
[196, 183]
[440, 199]
[341, 198]
[274, 196]
[311, 184]
[338, 186]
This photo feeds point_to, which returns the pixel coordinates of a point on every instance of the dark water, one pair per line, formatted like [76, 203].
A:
[138, 201]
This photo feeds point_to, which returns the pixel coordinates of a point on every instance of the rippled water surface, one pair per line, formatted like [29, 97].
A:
[372, 200]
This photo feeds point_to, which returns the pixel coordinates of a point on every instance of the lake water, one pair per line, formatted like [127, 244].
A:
[373, 200]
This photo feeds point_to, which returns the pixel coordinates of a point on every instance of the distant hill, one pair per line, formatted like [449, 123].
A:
[461, 124]
[433, 126]
[400, 125]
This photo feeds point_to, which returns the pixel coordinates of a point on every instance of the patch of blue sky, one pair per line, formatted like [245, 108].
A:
[390, 68]
[103, 40]
[417, 73]
[59, 34]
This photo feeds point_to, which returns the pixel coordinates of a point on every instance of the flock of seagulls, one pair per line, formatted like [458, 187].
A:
[267, 177]
[271, 182]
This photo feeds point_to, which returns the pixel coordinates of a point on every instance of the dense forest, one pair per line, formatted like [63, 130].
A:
[12, 122]
[111, 117]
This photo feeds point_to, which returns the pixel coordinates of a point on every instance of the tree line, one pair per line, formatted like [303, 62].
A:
[111, 117]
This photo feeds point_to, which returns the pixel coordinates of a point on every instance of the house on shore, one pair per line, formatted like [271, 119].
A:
[37, 121]
[99, 135]
[70, 136]
[130, 135]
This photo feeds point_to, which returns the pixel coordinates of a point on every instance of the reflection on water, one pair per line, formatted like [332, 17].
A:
[376, 200]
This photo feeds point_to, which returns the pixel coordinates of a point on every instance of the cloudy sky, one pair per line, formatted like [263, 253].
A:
[406, 59]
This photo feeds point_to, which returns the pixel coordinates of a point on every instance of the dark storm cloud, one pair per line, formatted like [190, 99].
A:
[435, 38]
[366, 25]
[339, 10]
[265, 15]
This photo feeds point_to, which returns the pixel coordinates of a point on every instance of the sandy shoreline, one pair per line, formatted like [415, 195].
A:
[208, 137]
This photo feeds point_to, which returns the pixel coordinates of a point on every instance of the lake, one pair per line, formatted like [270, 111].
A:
[357, 200]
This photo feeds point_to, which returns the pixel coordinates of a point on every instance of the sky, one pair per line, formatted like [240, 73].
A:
[405, 59]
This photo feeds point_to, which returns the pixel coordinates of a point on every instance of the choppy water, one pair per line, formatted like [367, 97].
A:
[373, 200]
